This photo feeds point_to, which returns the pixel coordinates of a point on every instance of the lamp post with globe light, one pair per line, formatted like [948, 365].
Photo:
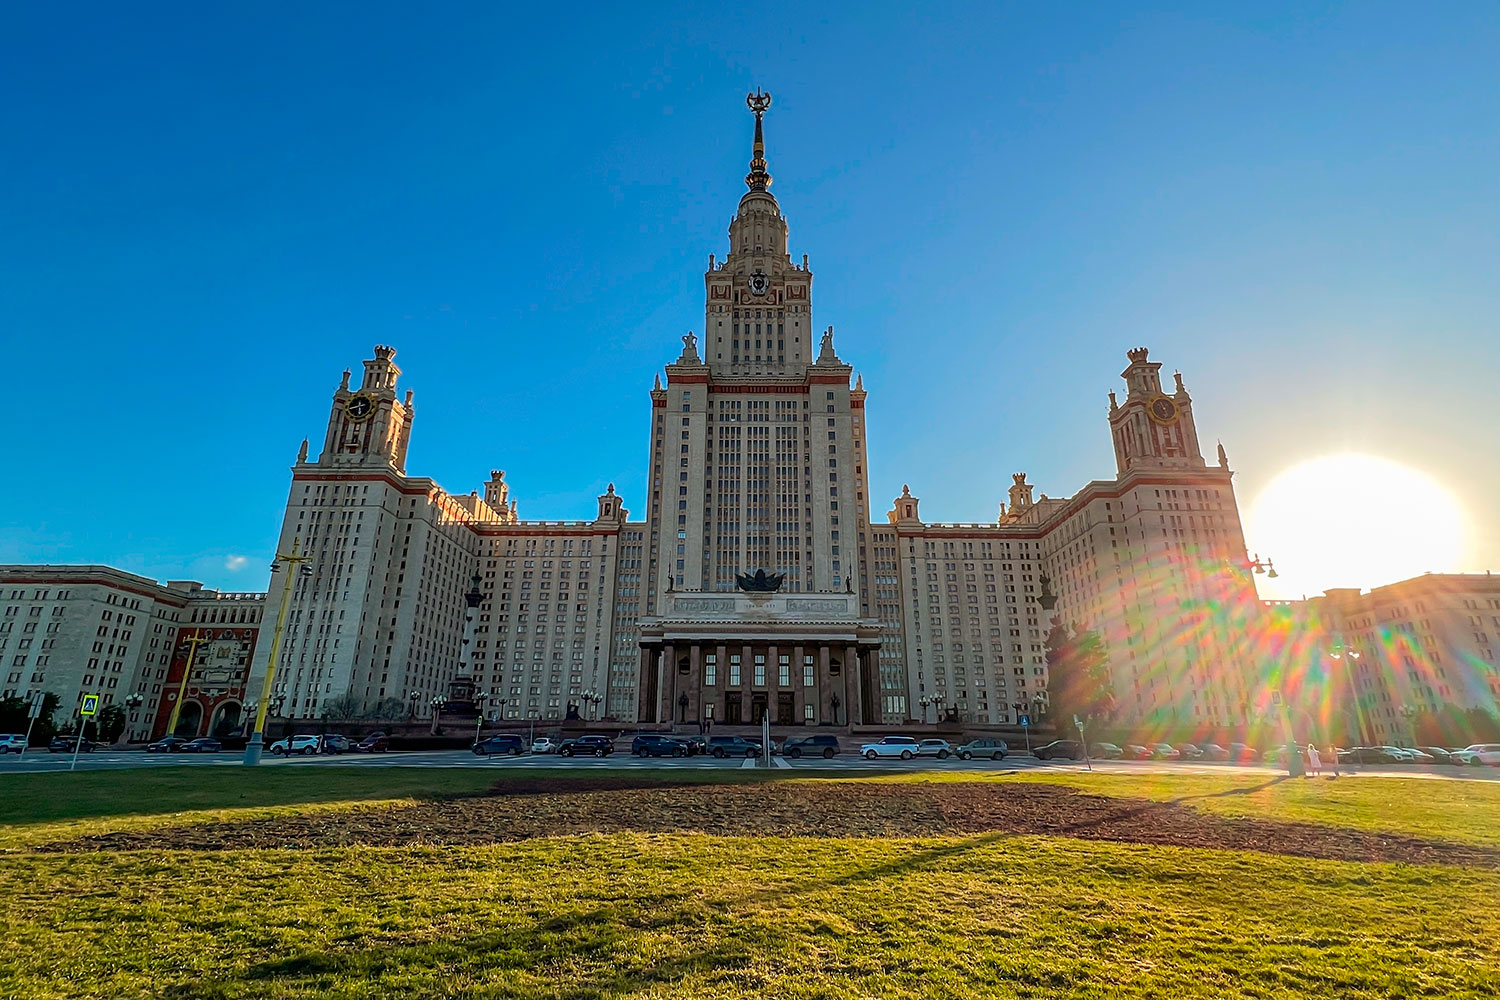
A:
[1349, 657]
[290, 565]
[437, 703]
[480, 697]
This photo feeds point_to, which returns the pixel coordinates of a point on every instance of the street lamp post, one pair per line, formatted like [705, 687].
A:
[924, 701]
[133, 701]
[479, 699]
[682, 707]
[1350, 659]
[592, 698]
[1409, 713]
[833, 703]
[190, 644]
[289, 565]
[413, 698]
[937, 708]
[438, 701]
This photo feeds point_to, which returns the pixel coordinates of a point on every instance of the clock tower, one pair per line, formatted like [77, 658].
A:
[758, 316]
[370, 425]
[1152, 429]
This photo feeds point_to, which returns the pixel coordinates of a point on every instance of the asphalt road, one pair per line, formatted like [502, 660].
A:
[34, 761]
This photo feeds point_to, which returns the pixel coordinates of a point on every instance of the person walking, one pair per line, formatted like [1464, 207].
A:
[1314, 763]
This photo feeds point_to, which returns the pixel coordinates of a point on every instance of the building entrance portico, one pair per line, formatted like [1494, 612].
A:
[733, 658]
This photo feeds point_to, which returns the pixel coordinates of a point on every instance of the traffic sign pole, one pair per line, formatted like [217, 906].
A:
[86, 710]
[36, 710]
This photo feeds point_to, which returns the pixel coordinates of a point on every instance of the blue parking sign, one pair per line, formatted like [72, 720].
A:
[1025, 720]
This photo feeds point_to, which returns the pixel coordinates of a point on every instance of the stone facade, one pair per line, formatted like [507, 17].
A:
[76, 630]
[757, 461]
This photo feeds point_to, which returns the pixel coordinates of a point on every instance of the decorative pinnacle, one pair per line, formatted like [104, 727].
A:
[758, 179]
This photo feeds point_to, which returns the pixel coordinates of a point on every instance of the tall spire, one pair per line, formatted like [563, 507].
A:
[758, 179]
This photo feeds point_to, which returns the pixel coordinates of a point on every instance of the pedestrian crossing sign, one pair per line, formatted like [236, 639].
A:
[90, 705]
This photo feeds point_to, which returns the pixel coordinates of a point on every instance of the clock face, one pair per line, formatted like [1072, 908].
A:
[759, 283]
[360, 407]
[1162, 410]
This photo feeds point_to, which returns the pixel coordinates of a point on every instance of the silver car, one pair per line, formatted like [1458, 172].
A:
[941, 749]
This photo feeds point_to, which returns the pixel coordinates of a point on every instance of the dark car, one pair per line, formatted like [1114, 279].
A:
[374, 743]
[658, 746]
[824, 745]
[1368, 755]
[733, 746]
[1070, 749]
[1135, 751]
[1190, 751]
[167, 744]
[1212, 751]
[696, 745]
[500, 743]
[584, 746]
[1107, 751]
[65, 744]
[1439, 755]
[1243, 753]
[201, 745]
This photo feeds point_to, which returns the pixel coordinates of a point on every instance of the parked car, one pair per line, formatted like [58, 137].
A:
[1107, 751]
[1069, 749]
[1367, 755]
[1416, 755]
[12, 743]
[991, 748]
[584, 746]
[696, 745]
[1135, 751]
[305, 745]
[1214, 752]
[825, 745]
[644, 745]
[904, 747]
[202, 745]
[1165, 751]
[1243, 753]
[65, 744]
[1189, 751]
[167, 744]
[941, 749]
[500, 743]
[544, 744]
[668, 747]
[733, 746]
[337, 743]
[1278, 755]
[1480, 753]
[1439, 755]
[374, 743]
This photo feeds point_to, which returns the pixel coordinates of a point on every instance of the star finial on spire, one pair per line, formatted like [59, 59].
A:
[758, 179]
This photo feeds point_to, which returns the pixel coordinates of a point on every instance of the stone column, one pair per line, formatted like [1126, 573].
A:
[669, 682]
[852, 692]
[773, 683]
[799, 693]
[647, 697]
[695, 683]
[825, 689]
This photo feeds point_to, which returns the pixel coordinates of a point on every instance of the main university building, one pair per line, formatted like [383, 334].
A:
[760, 579]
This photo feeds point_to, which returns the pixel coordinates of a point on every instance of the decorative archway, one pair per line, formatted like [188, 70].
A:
[226, 720]
[189, 719]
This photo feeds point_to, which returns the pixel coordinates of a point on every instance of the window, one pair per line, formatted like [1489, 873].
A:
[760, 670]
[710, 669]
[784, 670]
[734, 669]
[807, 671]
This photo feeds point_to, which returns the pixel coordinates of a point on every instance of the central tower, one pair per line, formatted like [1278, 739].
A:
[757, 448]
[758, 316]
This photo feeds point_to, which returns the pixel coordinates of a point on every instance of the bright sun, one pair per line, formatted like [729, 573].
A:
[1353, 521]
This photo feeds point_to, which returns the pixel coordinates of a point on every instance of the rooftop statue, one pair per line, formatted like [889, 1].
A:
[760, 583]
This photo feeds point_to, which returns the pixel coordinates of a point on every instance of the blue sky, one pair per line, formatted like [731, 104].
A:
[209, 211]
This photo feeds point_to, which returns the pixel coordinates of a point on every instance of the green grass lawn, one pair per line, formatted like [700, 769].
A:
[648, 916]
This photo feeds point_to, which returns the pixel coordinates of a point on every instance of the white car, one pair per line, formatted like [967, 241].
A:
[1479, 753]
[544, 745]
[306, 745]
[941, 749]
[12, 743]
[904, 747]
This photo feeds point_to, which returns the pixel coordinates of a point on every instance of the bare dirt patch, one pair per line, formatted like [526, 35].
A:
[522, 809]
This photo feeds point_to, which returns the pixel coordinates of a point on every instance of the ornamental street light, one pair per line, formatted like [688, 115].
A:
[480, 698]
[1256, 565]
[924, 701]
[190, 646]
[414, 698]
[290, 565]
[592, 698]
[437, 703]
[1349, 657]
[937, 708]
[1409, 713]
